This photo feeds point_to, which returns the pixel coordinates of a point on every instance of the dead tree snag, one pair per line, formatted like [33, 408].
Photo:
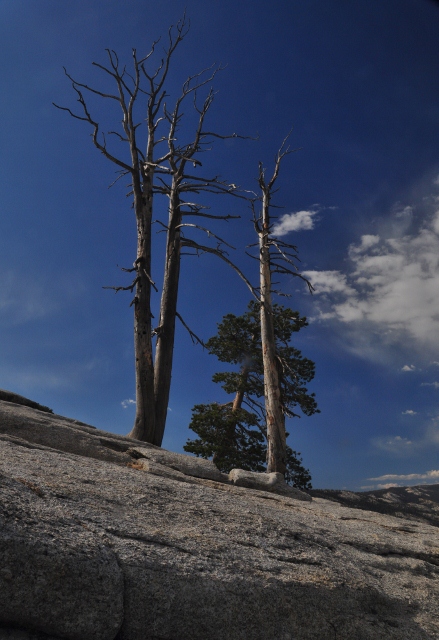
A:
[158, 165]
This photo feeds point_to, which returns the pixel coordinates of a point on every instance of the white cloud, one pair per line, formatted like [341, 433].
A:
[367, 241]
[391, 480]
[388, 485]
[329, 282]
[430, 384]
[409, 412]
[429, 475]
[374, 487]
[408, 367]
[127, 403]
[395, 445]
[297, 221]
[390, 292]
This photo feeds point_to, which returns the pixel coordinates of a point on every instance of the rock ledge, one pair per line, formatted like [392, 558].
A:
[106, 538]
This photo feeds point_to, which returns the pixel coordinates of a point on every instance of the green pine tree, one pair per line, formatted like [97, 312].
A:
[234, 436]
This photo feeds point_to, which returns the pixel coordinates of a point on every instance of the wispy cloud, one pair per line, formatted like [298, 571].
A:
[296, 221]
[391, 480]
[28, 379]
[367, 242]
[410, 477]
[333, 282]
[128, 403]
[430, 384]
[24, 298]
[388, 485]
[409, 412]
[425, 439]
[28, 297]
[396, 445]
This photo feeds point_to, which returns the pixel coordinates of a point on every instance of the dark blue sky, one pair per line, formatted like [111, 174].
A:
[360, 84]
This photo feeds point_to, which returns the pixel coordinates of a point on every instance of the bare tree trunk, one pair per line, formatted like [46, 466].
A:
[168, 168]
[168, 310]
[144, 423]
[276, 451]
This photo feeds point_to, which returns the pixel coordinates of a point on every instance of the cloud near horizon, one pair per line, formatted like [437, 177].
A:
[390, 480]
[391, 477]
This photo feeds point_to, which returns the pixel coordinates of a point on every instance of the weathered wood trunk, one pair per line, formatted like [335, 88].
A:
[237, 404]
[276, 451]
[168, 309]
[144, 424]
[239, 397]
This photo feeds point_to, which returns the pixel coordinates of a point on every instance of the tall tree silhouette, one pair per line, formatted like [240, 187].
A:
[162, 159]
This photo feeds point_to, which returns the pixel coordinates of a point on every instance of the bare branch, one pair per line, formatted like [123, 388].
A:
[229, 136]
[220, 254]
[125, 270]
[195, 339]
[116, 133]
[286, 271]
[85, 86]
[95, 125]
[250, 256]
[128, 288]
[208, 215]
[138, 266]
[122, 173]
[207, 231]
[165, 226]
[283, 255]
[284, 150]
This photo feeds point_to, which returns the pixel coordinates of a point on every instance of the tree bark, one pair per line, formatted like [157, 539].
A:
[168, 310]
[239, 397]
[276, 450]
[144, 423]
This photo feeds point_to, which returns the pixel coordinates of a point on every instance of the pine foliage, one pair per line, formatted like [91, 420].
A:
[233, 436]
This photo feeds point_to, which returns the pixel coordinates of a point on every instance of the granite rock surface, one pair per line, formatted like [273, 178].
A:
[100, 542]
[419, 503]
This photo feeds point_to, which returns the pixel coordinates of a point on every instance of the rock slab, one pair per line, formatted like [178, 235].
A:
[101, 548]
[56, 576]
[273, 482]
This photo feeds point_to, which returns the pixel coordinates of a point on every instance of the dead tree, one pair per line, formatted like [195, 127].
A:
[176, 183]
[275, 257]
[160, 168]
